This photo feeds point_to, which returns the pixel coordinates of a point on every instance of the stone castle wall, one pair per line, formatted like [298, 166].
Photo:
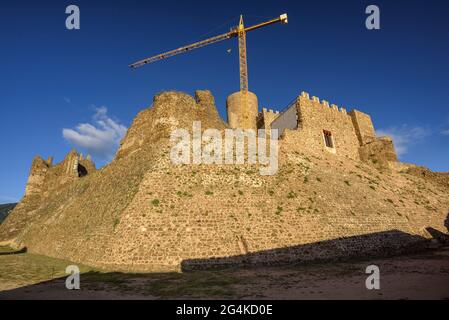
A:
[307, 119]
[363, 126]
[143, 213]
[266, 117]
[217, 218]
[379, 151]
[239, 116]
[316, 116]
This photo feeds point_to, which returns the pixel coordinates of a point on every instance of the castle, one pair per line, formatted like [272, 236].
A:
[317, 126]
[339, 193]
[314, 125]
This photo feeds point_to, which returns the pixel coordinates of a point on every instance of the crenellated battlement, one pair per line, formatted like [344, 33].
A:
[323, 103]
[266, 117]
[270, 111]
[323, 125]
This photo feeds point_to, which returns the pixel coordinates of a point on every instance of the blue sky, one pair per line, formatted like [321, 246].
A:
[58, 86]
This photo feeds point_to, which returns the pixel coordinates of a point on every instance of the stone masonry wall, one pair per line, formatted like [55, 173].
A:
[315, 117]
[379, 151]
[266, 117]
[363, 126]
[143, 213]
[36, 177]
[44, 176]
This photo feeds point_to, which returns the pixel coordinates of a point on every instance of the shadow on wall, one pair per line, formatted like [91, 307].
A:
[446, 222]
[441, 237]
[9, 253]
[205, 283]
[379, 244]
[438, 235]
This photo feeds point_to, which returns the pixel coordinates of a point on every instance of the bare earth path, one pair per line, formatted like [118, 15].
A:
[419, 276]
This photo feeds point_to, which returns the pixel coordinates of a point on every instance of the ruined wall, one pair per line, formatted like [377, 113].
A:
[363, 126]
[169, 111]
[378, 151]
[36, 177]
[44, 176]
[45, 182]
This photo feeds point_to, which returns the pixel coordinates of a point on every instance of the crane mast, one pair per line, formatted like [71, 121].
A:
[242, 57]
[243, 63]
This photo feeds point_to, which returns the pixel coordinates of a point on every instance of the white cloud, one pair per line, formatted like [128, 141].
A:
[7, 199]
[445, 132]
[67, 100]
[404, 136]
[101, 138]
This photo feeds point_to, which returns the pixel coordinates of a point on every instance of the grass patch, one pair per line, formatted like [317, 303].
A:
[279, 210]
[300, 209]
[291, 195]
[19, 270]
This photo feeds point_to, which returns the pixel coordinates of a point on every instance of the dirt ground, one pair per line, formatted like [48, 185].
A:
[418, 276]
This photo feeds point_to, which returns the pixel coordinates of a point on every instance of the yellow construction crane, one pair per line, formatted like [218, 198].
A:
[239, 32]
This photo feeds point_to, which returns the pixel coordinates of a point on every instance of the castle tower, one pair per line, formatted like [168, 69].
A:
[71, 163]
[238, 117]
[36, 178]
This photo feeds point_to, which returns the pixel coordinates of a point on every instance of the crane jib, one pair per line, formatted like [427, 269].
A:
[233, 33]
[185, 49]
